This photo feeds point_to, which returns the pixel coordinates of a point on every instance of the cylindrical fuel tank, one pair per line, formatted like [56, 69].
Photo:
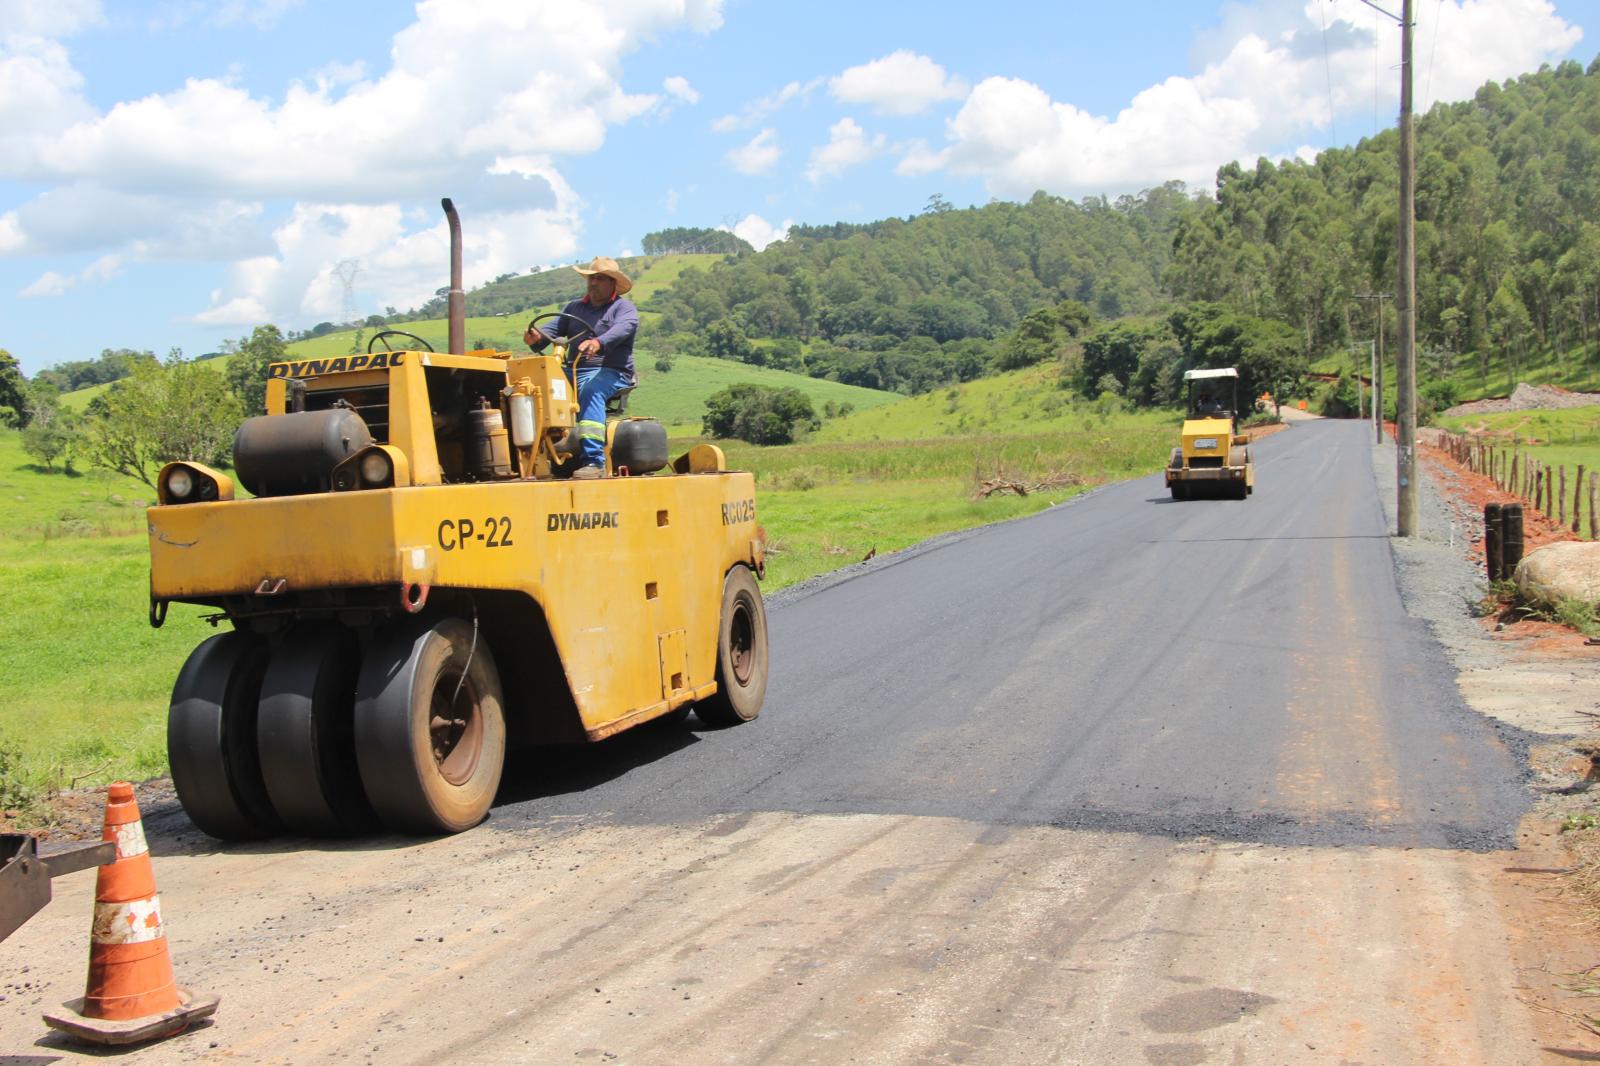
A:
[293, 454]
[640, 444]
[488, 448]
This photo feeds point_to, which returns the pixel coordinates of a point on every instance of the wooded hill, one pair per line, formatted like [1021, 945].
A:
[1507, 237]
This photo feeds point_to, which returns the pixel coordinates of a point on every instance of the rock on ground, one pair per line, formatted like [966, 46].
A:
[1566, 570]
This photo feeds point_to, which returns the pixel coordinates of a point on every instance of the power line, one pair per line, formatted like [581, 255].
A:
[1433, 49]
[1327, 70]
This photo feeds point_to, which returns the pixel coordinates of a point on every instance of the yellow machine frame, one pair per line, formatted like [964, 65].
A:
[603, 601]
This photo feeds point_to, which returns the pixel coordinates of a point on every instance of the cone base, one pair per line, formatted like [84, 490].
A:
[71, 1020]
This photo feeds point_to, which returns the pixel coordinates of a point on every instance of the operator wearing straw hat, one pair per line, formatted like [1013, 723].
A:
[607, 323]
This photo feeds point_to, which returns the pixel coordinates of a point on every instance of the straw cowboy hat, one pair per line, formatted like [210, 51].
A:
[608, 266]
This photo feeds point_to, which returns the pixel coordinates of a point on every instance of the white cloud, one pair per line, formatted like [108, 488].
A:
[758, 110]
[127, 180]
[901, 83]
[758, 231]
[333, 75]
[259, 14]
[917, 159]
[848, 146]
[262, 14]
[680, 88]
[59, 18]
[239, 311]
[757, 157]
[1259, 90]
[11, 237]
[48, 284]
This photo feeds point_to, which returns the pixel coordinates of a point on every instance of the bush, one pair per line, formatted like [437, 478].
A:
[758, 414]
[664, 363]
[1337, 399]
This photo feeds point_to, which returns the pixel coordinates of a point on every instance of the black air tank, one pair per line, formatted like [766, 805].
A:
[293, 454]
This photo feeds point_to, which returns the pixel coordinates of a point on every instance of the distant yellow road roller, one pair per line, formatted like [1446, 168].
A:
[1212, 458]
[416, 588]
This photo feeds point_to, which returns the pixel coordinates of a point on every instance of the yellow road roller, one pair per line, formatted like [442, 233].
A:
[414, 587]
[1212, 458]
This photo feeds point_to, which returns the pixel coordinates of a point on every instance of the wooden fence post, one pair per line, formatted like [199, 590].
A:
[1577, 497]
[1594, 520]
[1561, 496]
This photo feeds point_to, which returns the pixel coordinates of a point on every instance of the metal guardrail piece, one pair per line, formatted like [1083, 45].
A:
[25, 873]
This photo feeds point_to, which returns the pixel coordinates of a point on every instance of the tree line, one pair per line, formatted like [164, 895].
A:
[154, 412]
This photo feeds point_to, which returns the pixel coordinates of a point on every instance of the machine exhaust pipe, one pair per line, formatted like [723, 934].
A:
[457, 297]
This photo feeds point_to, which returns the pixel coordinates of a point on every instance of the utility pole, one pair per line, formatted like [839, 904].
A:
[1405, 371]
[1372, 354]
[1361, 397]
[1377, 364]
[1406, 365]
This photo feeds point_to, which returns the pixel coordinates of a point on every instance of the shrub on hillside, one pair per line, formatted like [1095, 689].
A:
[759, 414]
[182, 410]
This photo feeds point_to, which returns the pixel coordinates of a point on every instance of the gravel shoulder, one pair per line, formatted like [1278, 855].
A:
[1538, 679]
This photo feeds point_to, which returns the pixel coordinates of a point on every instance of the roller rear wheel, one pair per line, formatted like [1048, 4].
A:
[211, 739]
[429, 727]
[741, 653]
[306, 733]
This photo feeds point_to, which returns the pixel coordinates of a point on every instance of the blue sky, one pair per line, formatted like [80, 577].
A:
[174, 173]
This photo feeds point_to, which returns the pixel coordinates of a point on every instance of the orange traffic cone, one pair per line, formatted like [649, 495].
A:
[132, 994]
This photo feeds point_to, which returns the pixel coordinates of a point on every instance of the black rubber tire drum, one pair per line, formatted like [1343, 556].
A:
[741, 653]
[211, 739]
[430, 727]
[306, 733]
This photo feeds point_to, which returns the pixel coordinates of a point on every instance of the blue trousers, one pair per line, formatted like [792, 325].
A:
[596, 385]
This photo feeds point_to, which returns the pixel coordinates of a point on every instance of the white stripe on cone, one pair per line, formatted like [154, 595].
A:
[130, 840]
[133, 922]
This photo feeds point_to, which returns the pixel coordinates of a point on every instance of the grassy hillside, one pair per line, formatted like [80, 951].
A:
[1017, 403]
[40, 507]
[678, 398]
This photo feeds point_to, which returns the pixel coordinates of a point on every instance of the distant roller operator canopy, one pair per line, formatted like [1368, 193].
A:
[1202, 375]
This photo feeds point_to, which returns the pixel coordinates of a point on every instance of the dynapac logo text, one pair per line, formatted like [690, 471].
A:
[559, 522]
[310, 368]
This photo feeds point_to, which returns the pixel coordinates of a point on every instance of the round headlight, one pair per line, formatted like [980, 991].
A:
[375, 468]
[180, 483]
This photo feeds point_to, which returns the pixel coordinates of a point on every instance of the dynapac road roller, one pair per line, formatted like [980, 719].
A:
[1212, 457]
[416, 588]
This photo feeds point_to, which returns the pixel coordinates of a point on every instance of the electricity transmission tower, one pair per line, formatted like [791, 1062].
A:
[346, 270]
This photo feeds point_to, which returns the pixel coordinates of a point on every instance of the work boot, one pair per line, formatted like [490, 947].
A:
[586, 473]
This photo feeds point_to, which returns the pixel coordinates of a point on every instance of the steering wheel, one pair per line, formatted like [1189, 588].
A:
[582, 329]
[376, 337]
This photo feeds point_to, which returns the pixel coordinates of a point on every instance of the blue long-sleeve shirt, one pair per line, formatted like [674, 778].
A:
[614, 324]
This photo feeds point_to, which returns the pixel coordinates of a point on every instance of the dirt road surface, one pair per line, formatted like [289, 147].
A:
[1243, 816]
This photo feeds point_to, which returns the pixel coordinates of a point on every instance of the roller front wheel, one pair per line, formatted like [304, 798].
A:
[741, 653]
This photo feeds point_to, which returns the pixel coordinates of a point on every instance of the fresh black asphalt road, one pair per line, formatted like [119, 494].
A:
[1240, 670]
